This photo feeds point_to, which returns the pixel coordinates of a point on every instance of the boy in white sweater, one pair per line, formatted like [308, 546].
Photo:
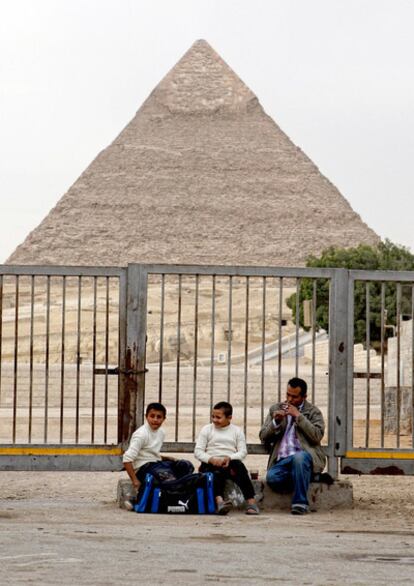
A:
[221, 447]
[143, 454]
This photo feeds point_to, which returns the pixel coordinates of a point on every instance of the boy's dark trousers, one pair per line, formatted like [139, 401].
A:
[235, 471]
[165, 470]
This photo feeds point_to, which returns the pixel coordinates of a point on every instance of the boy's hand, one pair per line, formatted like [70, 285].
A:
[219, 462]
[216, 461]
[136, 484]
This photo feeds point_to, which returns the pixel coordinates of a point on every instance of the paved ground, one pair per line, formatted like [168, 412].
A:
[64, 529]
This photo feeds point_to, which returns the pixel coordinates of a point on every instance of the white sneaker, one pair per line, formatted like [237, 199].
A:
[128, 506]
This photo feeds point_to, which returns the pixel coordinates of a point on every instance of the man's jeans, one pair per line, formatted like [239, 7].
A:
[292, 473]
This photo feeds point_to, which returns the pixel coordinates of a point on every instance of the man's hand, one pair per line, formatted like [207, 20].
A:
[292, 410]
[279, 415]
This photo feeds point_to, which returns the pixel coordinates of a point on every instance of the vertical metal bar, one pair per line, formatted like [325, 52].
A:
[398, 362]
[349, 403]
[46, 415]
[195, 355]
[297, 326]
[339, 342]
[62, 360]
[412, 365]
[94, 314]
[382, 407]
[262, 374]
[1, 329]
[230, 338]
[213, 338]
[161, 358]
[16, 355]
[314, 284]
[246, 357]
[177, 382]
[136, 323]
[122, 334]
[106, 361]
[368, 347]
[279, 350]
[31, 358]
[78, 358]
[117, 337]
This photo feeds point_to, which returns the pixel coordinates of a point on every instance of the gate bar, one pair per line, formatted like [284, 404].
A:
[339, 349]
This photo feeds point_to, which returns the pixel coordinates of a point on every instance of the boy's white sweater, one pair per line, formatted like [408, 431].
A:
[145, 446]
[220, 441]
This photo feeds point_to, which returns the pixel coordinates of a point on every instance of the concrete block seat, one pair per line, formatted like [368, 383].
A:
[322, 497]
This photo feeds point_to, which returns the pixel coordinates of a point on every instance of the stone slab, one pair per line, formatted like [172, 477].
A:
[321, 496]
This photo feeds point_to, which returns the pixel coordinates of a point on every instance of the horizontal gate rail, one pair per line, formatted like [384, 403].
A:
[58, 457]
[241, 271]
[51, 270]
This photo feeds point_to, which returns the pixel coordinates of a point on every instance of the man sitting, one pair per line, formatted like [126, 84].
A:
[294, 430]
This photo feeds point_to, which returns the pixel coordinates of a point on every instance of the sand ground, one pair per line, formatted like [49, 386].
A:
[64, 528]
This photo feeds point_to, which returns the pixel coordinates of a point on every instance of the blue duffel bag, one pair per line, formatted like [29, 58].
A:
[193, 493]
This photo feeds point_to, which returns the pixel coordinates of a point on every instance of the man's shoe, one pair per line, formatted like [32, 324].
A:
[299, 509]
[128, 505]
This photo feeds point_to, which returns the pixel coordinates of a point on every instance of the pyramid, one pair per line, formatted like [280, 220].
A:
[201, 175]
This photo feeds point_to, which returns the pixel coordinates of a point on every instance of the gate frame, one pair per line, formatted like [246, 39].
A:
[133, 291]
[80, 457]
[138, 285]
[383, 461]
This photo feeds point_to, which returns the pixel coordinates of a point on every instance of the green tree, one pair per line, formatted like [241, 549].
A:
[385, 256]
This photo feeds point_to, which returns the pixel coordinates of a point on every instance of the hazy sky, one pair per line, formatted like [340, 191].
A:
[336, 75]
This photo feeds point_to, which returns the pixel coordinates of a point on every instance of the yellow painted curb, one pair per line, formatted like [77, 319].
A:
[60, 451]
[381, 455]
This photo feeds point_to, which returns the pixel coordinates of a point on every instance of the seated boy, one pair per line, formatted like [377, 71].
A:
[143, 454]
[221, 447]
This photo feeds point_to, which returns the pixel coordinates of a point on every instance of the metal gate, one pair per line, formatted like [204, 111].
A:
[379, 436]
[225, 333]
[62, 332]
[83, 349]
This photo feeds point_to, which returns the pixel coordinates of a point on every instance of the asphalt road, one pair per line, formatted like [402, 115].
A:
[58, 529]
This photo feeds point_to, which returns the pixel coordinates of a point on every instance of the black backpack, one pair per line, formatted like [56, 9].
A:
[193, 493]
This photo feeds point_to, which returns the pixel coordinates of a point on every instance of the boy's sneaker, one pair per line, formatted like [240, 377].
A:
[299, 509]
[128, 505]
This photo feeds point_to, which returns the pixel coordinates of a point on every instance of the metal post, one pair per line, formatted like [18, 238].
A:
[122, 378]
[137, 283]
[339, 342]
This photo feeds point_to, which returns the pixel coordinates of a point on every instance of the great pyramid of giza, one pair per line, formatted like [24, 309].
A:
[201, 175]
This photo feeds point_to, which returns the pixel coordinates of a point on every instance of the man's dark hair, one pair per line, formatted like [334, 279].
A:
[225, 407]
[299, 382]
[156, 407]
